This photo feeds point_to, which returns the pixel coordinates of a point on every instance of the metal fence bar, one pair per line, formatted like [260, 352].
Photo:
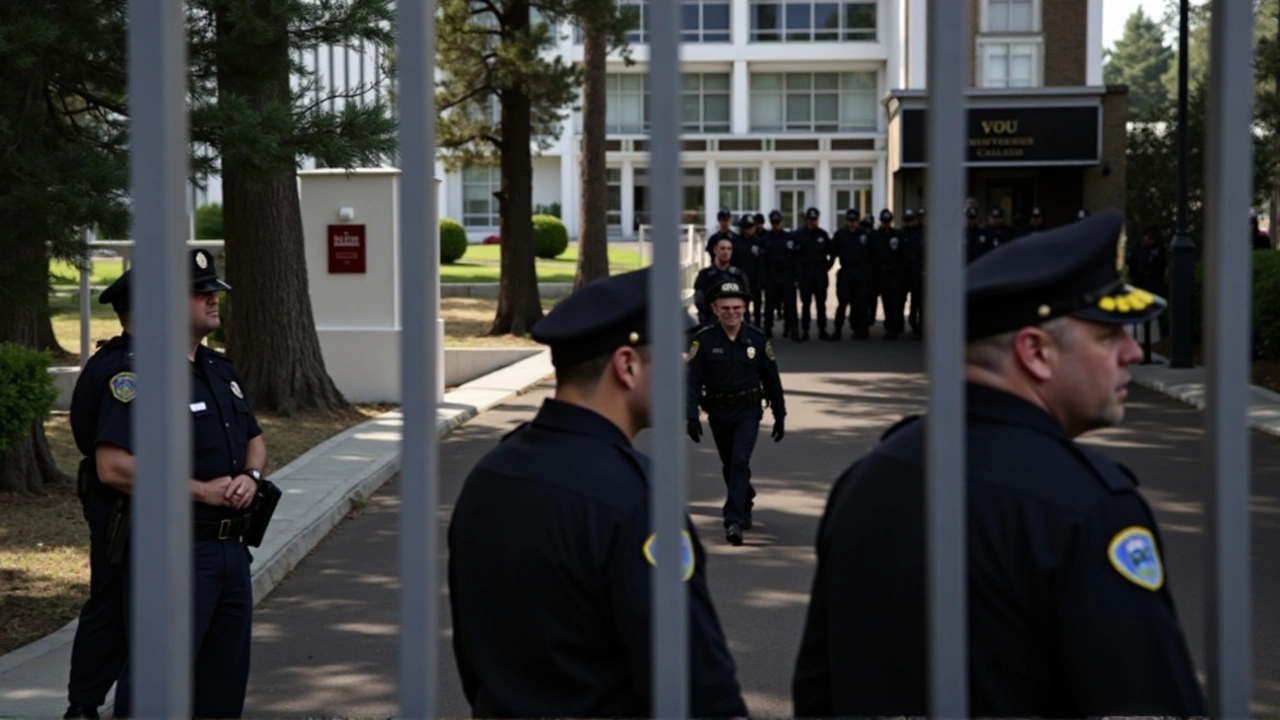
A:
[944, 348]
[86, 269]
[670, 616]
[160, 638]
[419, 358]
[1228, 187]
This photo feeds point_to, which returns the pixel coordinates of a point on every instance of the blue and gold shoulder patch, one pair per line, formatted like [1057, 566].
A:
[124, 386]
[1134, 555]
[687, 559]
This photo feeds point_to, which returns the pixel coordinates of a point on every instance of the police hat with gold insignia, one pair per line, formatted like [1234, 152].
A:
[598, 318]
[204, 278]
[747, 221]
[1072, 270]
[728, 289]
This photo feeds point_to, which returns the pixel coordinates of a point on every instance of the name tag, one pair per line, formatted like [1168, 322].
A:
[197, 407]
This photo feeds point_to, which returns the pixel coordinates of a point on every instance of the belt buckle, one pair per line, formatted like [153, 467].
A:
[224, 529]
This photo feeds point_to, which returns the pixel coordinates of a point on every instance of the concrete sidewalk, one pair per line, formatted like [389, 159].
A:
[319, 489]
[1190, 386]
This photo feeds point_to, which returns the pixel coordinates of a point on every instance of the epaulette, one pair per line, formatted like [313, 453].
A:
[753, 328]
[1116, 477]
[515, 430]
[898, 426]
[703, 329]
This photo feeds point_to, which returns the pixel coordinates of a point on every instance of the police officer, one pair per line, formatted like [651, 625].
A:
[889, 258]
[975, 241]
[550, 544]
[1034, 225]
[1258, 240]
[229, 456]
[1148, 264]
[913, 278]
[779, 252]
[731, 370]
[814, 260]
[763, 285]
[712, 275]
[851, 245]
[996, 231]
[751, 243]
[1069, 608]
[724, 217]
[100, 646]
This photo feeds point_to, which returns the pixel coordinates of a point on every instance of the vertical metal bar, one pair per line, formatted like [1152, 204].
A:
[1182, 277]
[945, 337]
[86, 269]
[160, 641]
[670, 614]
[419, 358]
[1228, 187]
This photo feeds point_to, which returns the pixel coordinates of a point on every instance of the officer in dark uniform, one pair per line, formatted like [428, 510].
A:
[751, 242]
[996, 231]
[975, 241]
[724, 217]
[229, 456]
[550, 545]
[731, 371]
[1258, 240]
[871, 297]
[779, 252]
[913, 279]
[851, 246]
[1070, 612]
[1148, 265]
[889, 258]
[763, 285]
[1035, 224]
[100, 646]
[712, 275]
[814, 259]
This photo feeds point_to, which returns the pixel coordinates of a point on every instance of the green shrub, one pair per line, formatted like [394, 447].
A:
[27, 393]
[209, 222]
[1265, 316]
[550, 238]
[453, 241]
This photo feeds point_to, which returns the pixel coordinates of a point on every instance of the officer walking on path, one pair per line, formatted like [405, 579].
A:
[229, 455]
[550, 544]
[1069, 608]
[709, 277]
[724, 218]
[731, 371]
[814, 259]
[851, 246]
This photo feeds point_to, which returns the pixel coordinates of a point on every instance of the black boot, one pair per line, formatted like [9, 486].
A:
[733, 534]
[77, 710]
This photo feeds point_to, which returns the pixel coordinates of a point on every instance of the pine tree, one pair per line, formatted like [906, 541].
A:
[1140, 60]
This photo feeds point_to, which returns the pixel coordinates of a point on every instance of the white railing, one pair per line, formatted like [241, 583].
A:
[693, 258]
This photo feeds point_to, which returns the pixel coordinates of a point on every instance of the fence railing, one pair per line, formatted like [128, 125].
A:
[693, 256]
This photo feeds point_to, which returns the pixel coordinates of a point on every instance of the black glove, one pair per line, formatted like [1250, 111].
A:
[694, 428]
[779, 429]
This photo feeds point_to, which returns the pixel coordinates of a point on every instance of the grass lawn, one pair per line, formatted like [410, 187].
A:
[629, 259]
[44, 541]
[105, 272]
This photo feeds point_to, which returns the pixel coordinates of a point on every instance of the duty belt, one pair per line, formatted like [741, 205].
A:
[227, 529]
[726, 400]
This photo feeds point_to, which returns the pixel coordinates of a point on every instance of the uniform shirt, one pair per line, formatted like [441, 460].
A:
[710, 277]
[977, 243]
[778, 249]
[223, 422]
[722, 365]
[914, 239]
[852, 248]
[813, 249]
[1056, 627]
[550, 582]
[888, 252]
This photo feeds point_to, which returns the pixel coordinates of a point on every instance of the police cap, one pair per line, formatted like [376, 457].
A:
[852, 215]
[971, 212]
[1035, 212]
[908, 214]
[759, 218]
[920, 214]
[204, 278]
[1072, 270]
[729, 289]
[886, 215]
[775, 216]
[724, 213]
[598, 318]
[747, 221]
[997, 212]
[812, 213]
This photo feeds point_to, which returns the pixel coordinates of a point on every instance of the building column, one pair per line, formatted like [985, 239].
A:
[628, 200]
[891, 17]
[768, 201]
[740, 22]
[881, 189]
[569, 187]
[1093, 45]
[739, 98]
[711, 194]
[824, 193]
[917, 43]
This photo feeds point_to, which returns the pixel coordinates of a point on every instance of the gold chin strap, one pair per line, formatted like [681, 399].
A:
[1135, 300]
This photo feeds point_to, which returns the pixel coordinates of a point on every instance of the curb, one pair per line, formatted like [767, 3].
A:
[1264, 419]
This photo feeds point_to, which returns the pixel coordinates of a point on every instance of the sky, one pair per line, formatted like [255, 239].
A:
[1115, 12]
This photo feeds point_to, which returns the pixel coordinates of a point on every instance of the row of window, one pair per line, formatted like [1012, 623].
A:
[708, 21]
[794, 188]
[779, 102]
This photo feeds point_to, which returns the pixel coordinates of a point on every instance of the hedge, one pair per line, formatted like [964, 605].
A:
[1265, 315]
[27, 393]
[209, 222]
[550, 238]
[453, 241]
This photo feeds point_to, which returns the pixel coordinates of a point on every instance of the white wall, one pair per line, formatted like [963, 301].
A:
[546, 180]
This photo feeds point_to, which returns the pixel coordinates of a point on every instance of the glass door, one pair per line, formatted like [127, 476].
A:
[843, 198]
[792, 202]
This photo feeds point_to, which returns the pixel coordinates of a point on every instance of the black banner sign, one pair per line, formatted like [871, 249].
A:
[1026, 135]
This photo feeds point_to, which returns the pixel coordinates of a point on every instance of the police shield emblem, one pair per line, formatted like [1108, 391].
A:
[687, 559]
[235, 389]
[790, 245]
[201, 260]
[893, 243]
[751, 353]
[124, 386]
[1133, 554]
[862, 239]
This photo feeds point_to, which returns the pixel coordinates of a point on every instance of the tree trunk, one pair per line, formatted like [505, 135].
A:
[593, 227]
[519, 305]
[28, 466]
[272, 332]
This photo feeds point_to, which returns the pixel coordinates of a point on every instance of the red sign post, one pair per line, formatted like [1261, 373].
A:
[346, 249]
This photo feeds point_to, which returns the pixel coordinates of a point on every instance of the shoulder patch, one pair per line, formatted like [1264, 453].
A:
[687, 560]
[693, 350]
[899, 425]
[124, 386]
[1133, 554]
[768, 350]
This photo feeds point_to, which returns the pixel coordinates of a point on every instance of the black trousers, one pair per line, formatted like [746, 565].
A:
[782, 296]
[735, 435]
[889, 289]
[101, 642]
[915, 286]
[813, 288]
[852, 293]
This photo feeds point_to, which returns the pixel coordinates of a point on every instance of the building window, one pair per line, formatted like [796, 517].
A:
[1010, 65]
[813, 102]
[740, 190]
[850, 189]
[809, 21]
[1010, 16]
[704, 21]
[693, 197]
[613, 203]
[705, 101]
[626, 106]
[641, 32]
[791, 175]
[479, 206]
